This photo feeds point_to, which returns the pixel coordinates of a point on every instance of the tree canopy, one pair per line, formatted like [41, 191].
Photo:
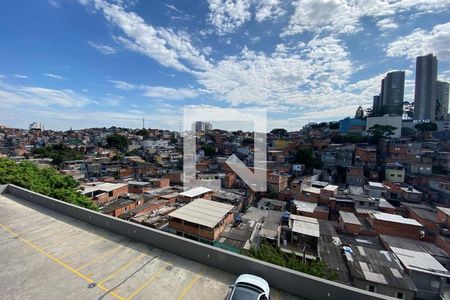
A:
[279, 131]
[143, 132]
[46, 181]
[423, 127]
[307, 157]
[58, 153]
[209, 150]
[267, 253]
[333, 125]
[118, 142]
[359, 113]
[378, 131]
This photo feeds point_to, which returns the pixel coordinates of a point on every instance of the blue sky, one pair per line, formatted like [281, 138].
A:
[69, 63]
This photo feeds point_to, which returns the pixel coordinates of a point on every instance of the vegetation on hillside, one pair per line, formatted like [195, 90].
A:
[118, 142]
[270, 254]
[378, 132]
[308, 158]
[58, 153]
[424, 127]
[46, 181]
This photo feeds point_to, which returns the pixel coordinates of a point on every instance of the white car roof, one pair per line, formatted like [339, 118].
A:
[254, 280]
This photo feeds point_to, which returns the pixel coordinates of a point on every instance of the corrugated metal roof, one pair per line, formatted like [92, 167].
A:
[203, 212]
[445, 210]
[395, 218]
[104, 187]
[306, 226]
[420, 262]
[195, 192]
[348, 217]
[305, 206]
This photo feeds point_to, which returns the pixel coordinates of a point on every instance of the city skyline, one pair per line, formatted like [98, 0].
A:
[87, 64]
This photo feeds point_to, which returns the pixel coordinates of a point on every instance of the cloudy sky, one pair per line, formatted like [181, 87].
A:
[86, 63]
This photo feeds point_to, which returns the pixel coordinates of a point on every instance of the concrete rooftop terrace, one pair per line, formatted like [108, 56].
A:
[48, 255]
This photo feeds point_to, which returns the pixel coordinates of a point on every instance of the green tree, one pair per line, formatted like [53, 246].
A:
[58, 153]
[280, 132]
[424, 127]
[209, 150]
[143, 132]
[118, 142]
[270, 254]
[359, 113]
[248, 141]
[378, 132]
[308, 158]
[368, 113]
[333, 125]
[46, 181]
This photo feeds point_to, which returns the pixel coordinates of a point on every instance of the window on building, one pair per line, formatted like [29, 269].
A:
[400, 295]
[371, 288]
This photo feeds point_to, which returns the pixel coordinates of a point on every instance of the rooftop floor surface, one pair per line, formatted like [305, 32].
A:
[47, 255]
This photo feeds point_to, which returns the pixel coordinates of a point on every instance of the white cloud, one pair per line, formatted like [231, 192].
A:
[53, 76]
[162, 92]
[123, 85]
[387, 24]
[257, 78]
[268, 9]
[227, 15]
[344, 16]
[323, 15]
[422, 42]
[20, 76]
[104, 49]
[54, 3]
[179, 15]
[170, 49]
[13, 96]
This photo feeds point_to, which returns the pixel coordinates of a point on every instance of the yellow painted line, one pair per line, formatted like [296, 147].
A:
[123, 267]
[46, 234]
[62, 241]
[277, 294]
[98, 258]
[61, 263]
[146, 283]
[96, 241]
[189, 286]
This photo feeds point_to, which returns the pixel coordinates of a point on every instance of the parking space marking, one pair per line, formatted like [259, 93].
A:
[62, 241]
[191, 284]
[47, 233]
[146, 283]
[277, 294]
[123, 267]
[98, 258]
[61, 263]
[96, 241]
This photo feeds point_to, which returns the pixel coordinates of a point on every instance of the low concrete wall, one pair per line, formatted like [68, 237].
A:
[287, 280]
